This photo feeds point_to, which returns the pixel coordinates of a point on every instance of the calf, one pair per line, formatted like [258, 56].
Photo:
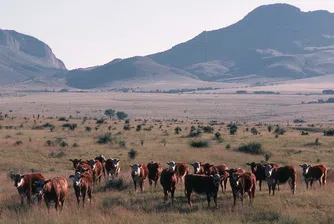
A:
[222, 170]
[202, 184]
[258, 170]
[55, 189]
[311, 173]
[198, 167]
[241, 183]
[83, 185]
[24, 185]
[181, 169]
[113, 167]
[154, 171]
[168, 181]
[97, 170]
[280, 175]
[139, 174]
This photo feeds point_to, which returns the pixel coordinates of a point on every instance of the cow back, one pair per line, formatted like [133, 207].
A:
[283, 174]
[168, 179]
[181, 169]
[199, 183]
[57, 187]
[154, 170]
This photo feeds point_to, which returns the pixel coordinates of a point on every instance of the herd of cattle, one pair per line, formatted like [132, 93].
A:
[205, 179]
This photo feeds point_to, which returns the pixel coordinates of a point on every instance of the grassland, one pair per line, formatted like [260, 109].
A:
[161, 144]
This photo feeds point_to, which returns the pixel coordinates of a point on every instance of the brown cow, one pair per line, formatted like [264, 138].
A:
[76, 162]
[222, 170]
[102, 159]
[24, 185]
[168, 181]
[97, 169]
[258, 170]
[317, 172]
[113, 167]
[181, 169]
[55, 189]
[202, 184]
[198, 167]
[280, 175]
[242, 183]
[139, 174]
[154, 171]
[83, 185]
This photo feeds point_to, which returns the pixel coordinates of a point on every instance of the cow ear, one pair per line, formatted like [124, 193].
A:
[71, 176]
[22, 176]
[47, 181]
[191, 164]
[301, 165]
[168, 163]
[71, 160]
[79, 160]
[308, 166]
[140, 166]
[131, 166]
[118, 160]
[248, 164]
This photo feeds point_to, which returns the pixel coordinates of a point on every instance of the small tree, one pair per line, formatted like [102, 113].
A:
[110, 113]
[121, 115]
[177, 130]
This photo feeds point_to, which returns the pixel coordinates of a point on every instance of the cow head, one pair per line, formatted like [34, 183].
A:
[40, 186]
[197, 167]
[253, 166]
[234, 177]
[75, 162]
[115, 163]
[18, 180]
[76, 179]
[207, 168]
[305, 168]
[268, 170]
[171, 166]
[216, 179]
[135, 169]
[101, 158]
[92, 163]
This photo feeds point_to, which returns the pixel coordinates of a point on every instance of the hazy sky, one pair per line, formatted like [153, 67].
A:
[84, 33]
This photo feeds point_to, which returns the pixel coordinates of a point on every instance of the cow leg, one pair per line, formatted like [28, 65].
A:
[172, 194]
[208, 198]
[22, 201]
[242, 197]
[150, 182]
[234, 198]
[141, 186]
[323, 181]
[274, 188]
[90, 196]
[260, 185]
[155, 184]
[311, 183]
[28, 199]
[269, 187]
[135, 184]
[215, 200]
[83, 199]
[188, 197]
[56, 205]
[225, 185]
[165, 195]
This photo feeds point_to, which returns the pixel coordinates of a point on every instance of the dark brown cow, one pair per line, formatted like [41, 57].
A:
[242, 183]
[154, 171]
[258, 170]
[198, 167]
[168, 181]
[181, 169]
[55, 189]
[24, 185]
[113, 167]
[97, 169]
[76, 162]
[83, 185]
[317, 172]
[139, 173]
[280, 175]
[222, 170]
[202, 184]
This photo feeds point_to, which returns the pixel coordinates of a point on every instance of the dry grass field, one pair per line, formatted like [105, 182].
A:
[161, 144]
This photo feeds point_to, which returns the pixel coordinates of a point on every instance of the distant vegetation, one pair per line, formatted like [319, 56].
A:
[330, 100]
[241, 92]
[265, 92]
[328, 92]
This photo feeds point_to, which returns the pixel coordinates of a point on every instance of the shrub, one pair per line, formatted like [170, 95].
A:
[75, 145]
[267, 157]
[299, 121]
[228, 146]
[199, 144]
[100, 121]
[121, 115]
[117, 184]
[148, 129]
[57, 154]
[122, 144]
[19, 142]
[88, 129]
[233, 128]
[254, 131]
[110, 113]
[126, 127]
[329, 132]
[63, 144]
[254, 148]
[70, 126]
[208, 129]
[194, 132]
[279, 131]
[138, 127]
[304, 133]
[105, 139]
[62, 119]
[49, 143]
[132, 154]
[164, 141]
[270, 128]
[177, 130]
[317, 141]
[218, 136]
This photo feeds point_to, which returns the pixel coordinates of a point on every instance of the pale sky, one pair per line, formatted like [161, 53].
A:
[85, 33]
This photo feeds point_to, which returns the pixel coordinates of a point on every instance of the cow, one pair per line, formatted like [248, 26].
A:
[181, 169]
[258, 170]
[76, 162]
[55, 189]
[311, 173]
[24, 185]
[113, 167]
[198, 167]
[102, 160]
[202, 184]
[280, 175]
[154, 172]
[139, 173]
[222, 170]
[168, 181]
[83, 185]
[84, 167]
[97, 169]
[242, 182]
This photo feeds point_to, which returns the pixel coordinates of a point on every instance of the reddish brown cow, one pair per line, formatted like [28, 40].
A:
[242, 183]
[113, 167]
[55, 189]
[222, 170]
[76, 162]
[139, 174]
[280, 175]
[181, 169]
[317, 172]
[102, 160]
[97, 169]
[83, 185]
[198, 167]
[258, 170]
[154, 171]
[202, 184]
[24, 185]
[168, 181]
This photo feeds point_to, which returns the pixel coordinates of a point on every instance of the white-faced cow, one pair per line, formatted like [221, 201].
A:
[198, 167]
[181, 169]
[280, 175]
[242, 183]
[168, 181]
[154, 172]
[258, 170]
[83, 185]
[312, 173]
[139, 173]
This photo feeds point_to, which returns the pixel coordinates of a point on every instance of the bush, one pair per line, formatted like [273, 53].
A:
[317, 141]
[267, 157]
[148, 129]
[63, 144]
[304, 133]
[299, 121]
[138, 127]
[19, 142]
[132, 154]
[88, 129]
[100, 121]
[254, 131]
[177, 130]
[127, 127]
[279, 131]
[49, 143]
[194, 132]
[110, 113]
[70, 126]
[233, 128]
[208, 129]
[199, 144]
[122, 144]
[254, 148]
[218, 136]
[62, 119]
[121, 115]
[270, 128]
[228, 146]
[75, 145]
[329, 132]
[105, 139]
[117, 184]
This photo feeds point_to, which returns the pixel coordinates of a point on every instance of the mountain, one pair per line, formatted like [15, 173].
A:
[23, 57]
